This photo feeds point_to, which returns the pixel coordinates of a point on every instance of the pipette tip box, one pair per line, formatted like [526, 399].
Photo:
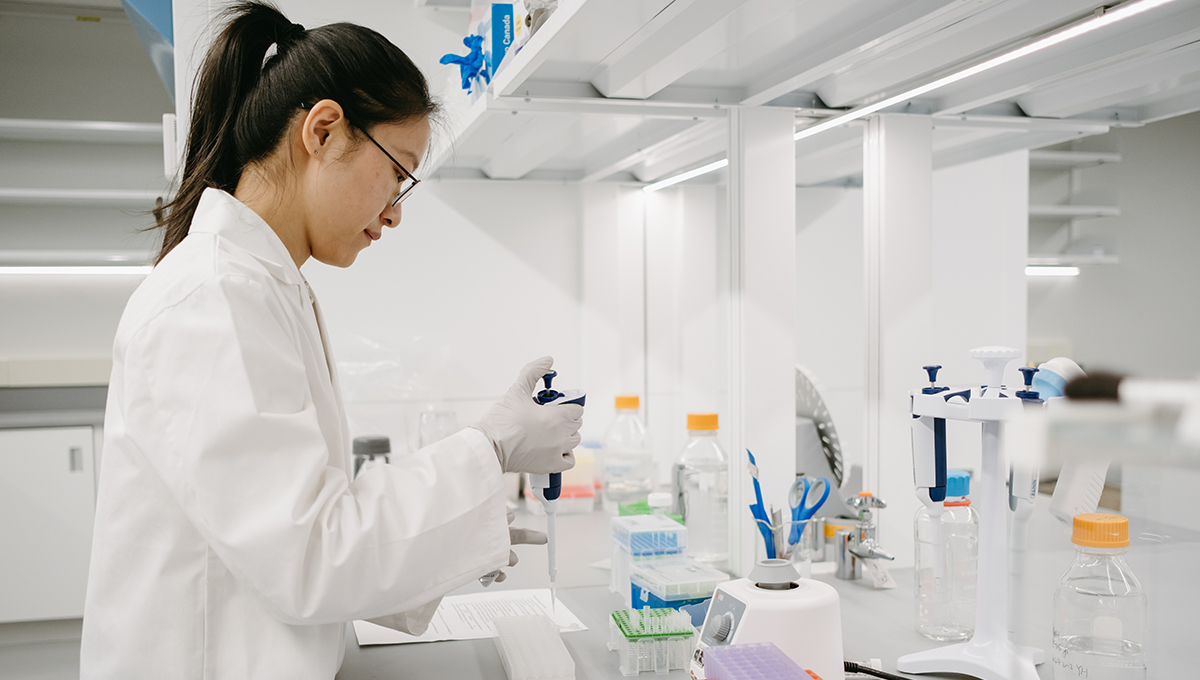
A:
[531, 648]
[658, 640]
[675, 583]
[751, 661]
[642, 538]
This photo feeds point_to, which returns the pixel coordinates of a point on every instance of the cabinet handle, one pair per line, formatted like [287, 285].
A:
[75, 459]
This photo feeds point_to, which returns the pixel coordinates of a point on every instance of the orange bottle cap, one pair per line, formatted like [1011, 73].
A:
[1100, 530]
[864, 494]
[702, 421]
[629, 401]
[831, 529]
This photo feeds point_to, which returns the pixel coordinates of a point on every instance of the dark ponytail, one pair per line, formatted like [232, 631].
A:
[245, 100]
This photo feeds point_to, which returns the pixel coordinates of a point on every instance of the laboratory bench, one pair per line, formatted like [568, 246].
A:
[875, 623]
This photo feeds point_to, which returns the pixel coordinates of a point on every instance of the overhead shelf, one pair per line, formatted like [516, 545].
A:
[114, 132]
[1073, 211]
[119, 198]
[621, 89]
[1070, 159]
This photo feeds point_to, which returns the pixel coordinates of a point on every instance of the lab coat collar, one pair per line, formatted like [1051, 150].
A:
[220, 213]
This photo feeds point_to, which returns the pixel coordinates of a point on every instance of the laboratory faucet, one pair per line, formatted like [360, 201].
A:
[860, 542]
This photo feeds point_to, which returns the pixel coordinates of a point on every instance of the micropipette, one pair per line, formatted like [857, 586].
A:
[547, 488]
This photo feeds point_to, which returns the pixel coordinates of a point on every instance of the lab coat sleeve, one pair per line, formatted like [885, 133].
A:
[224, 414]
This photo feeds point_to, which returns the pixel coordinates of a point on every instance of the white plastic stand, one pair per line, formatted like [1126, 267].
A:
[989, 655]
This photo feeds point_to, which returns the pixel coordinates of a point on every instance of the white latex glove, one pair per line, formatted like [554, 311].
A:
[527, 436]
[517, 536]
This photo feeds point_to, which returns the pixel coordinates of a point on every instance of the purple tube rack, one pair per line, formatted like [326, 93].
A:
[751, 661]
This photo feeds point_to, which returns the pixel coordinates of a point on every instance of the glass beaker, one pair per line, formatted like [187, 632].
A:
[793, 541]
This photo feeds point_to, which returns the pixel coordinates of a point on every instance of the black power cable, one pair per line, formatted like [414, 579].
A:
[852, 667]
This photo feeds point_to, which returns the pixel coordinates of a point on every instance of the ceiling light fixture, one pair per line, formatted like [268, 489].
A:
[78, 271]
[1051, 271]
[1109, 17]
[683, 177]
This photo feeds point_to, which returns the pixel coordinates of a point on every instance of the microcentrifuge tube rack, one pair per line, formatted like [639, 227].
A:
[751, 661]
[647, 639]
[531, 648]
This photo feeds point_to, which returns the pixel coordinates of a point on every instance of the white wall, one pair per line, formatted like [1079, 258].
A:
[453, 302]
[1139, 316]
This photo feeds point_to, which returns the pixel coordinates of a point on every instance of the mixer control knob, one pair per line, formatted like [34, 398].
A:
[724, 627]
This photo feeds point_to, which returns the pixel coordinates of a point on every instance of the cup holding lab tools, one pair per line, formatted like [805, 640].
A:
[800, 553]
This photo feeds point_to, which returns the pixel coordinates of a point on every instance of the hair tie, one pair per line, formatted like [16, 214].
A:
[294, 32]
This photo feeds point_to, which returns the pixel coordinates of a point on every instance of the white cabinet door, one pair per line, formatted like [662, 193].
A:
[47, 502]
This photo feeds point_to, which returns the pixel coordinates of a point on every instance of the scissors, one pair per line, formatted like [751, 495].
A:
[759, 511]
[798, 499]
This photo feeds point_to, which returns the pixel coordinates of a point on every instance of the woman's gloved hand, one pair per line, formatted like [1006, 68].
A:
[527, 436]
[518, 536]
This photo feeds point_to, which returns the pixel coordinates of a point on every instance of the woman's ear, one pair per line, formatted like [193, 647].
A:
[323, 119]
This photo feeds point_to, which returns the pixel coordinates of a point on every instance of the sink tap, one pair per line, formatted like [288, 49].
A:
[860, 543]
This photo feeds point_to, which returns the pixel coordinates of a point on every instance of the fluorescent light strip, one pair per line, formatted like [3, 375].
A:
[670, 181]
[1087, 26]
[1052, 271]
[78, 271]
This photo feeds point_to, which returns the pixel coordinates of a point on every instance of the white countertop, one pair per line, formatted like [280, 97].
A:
[875, 623]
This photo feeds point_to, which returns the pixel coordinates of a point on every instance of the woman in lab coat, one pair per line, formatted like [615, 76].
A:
[230, 540]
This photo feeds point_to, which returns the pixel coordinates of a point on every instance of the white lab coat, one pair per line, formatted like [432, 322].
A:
[230, 541]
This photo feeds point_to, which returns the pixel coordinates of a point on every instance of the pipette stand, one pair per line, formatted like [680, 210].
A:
[990, 654]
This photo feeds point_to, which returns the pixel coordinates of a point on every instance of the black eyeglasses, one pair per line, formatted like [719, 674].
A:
[407, 182]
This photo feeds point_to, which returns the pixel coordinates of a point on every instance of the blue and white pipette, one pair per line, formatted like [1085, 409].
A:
[547, 488]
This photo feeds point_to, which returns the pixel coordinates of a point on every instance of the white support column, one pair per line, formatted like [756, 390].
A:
[762, 284]
[898, 266]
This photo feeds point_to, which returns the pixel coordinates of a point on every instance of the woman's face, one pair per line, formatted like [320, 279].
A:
[349, 193]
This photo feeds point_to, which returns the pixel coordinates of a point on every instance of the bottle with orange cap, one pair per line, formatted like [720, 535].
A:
[700, 482]
[628, 467]
[1099, 606]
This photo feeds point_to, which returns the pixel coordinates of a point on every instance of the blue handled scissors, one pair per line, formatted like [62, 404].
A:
[798, 499]
[759, 511]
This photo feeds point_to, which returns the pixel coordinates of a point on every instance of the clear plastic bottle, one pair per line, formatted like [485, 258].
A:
[1099, 606]
[700, 483]
[946, 605]
[628, 462]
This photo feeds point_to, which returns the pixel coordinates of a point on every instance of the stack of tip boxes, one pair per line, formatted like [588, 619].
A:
[678, 583]
[752, 661]
[642, 538]
[658, 640]
[531, 648]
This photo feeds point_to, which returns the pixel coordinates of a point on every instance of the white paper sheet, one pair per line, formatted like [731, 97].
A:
[469, 617]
